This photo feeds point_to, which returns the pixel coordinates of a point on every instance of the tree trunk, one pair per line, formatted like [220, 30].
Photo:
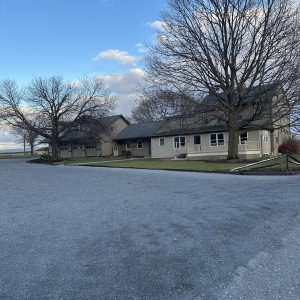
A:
[55, 152]
[31, 148]
[233, 143]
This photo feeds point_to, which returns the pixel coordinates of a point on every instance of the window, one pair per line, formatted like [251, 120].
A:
[139, 144]
[128, 145]
[76, 147]
[179, 142]
[91, 147]
[161, 142]
[240, 117]
[243, 138]
[64, 147]
[217, 139]
[205, 118]
[265, 136]
[258, 111]
[197, 140]
[112, 128]
[183, 123]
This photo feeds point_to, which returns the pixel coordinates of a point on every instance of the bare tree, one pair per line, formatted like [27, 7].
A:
[235, 50]
[156, 105]
[58, 105]
[27, 136]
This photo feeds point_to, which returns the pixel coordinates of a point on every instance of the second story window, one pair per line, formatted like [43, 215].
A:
[240, 117]
[205, 118]
[258, 111]
[182, 123]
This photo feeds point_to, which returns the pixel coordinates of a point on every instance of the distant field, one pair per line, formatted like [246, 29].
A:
[15, 155]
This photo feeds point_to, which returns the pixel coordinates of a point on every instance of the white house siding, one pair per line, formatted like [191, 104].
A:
[167, 150]
[144, 152]
[112, 131]
[107, 148]
[118, 126]
[65, 153]
[103, 148]
[205, 150]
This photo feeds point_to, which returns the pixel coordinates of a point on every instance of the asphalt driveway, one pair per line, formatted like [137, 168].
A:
[96, 233]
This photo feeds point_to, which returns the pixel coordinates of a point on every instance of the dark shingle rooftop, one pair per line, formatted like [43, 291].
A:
[265, 91]
[96, 126]
[192, 130]
[139, 131]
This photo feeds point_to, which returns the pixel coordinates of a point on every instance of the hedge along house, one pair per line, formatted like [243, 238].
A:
[135, 139]
[92, 137]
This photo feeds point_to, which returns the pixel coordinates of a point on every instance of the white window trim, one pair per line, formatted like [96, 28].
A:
[216, 133]
[179, 142]
[266, 135]
[240, 142]
[126, 143]
[162, 138]
[137, 144]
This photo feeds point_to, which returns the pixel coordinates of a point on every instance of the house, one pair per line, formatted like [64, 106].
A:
[205, 135]
[210, 142]
[92, 137]
[201, 135]
[135, 139]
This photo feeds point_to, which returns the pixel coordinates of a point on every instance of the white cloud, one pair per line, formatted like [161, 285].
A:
[124, 85]
[115, 54]
[141, 48]
[7, 140]
[158, 25]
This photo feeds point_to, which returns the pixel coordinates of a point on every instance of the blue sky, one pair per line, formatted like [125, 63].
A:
[73, 38]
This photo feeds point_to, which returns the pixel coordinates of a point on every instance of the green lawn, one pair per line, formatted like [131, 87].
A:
[161, 164]
[70, 161]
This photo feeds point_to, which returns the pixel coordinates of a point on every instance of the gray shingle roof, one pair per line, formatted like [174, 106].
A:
[201, 129]
[101, 124]
[192, 130]
[266, 91]
[139, 131]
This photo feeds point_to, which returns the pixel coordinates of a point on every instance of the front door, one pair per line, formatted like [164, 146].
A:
[115, 149]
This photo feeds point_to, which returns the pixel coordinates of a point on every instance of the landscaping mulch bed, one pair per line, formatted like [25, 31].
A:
[44, 162]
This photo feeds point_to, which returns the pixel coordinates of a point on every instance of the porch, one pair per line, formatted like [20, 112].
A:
[249, 149]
